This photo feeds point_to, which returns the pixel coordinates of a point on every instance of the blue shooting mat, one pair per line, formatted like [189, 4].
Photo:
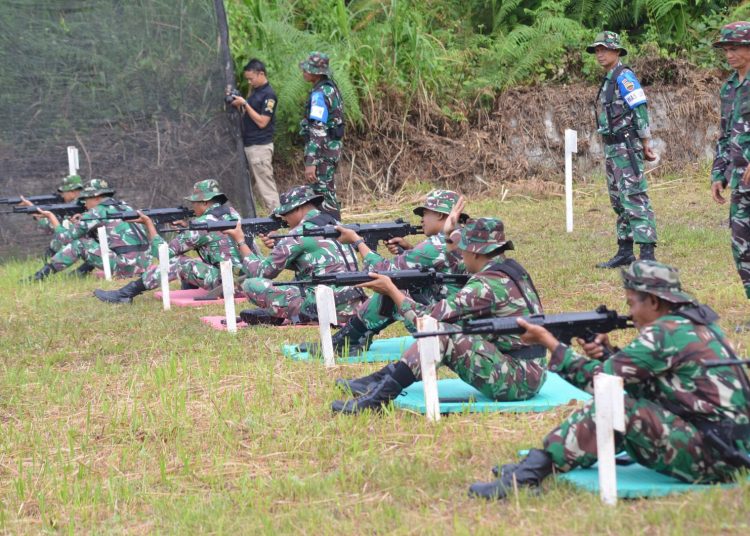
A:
[555, 392]
[635, 482]
[381, 350]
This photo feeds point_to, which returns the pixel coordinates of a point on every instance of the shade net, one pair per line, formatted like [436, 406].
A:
[137, 85]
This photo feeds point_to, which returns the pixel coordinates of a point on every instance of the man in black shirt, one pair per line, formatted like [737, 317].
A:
[258, 121]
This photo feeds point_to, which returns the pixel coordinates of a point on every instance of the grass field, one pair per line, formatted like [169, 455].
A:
[131, 419]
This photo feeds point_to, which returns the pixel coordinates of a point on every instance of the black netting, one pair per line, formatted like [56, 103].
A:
[136, 85]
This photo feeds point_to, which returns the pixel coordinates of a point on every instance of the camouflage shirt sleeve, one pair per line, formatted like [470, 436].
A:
[89, 220]
[282, 255]
[424, 254]
[721, 155]
[45, 226]
[475, 299]
[182, 243]
[641, 122]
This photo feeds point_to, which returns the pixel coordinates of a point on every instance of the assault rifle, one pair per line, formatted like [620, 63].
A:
[409, 280]
[250, 226]
[58, 209]
[564, 326]
[158, 215]
[372, 233]
[36, 199]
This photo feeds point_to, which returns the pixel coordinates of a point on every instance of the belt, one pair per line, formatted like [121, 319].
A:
[527, 352]
[122, 250]
[619, 137]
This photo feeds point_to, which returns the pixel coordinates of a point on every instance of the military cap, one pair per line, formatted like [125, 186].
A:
[655, 278]
[439, 201]
[316, 63]
[609, 40]
[70, 183]
[484, 235]
[95, 188]
[296, 197]
[735, 33]
[206, 190]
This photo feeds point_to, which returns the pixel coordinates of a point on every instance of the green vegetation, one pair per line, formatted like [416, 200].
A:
[129, 419]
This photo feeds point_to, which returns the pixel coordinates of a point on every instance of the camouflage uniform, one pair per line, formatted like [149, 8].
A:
[667, 390]
[733, 152]
[69, 183]
[323, 129]
[211, 247]
[623, 123]
[127, 241]
[306, 256]
[673, 402]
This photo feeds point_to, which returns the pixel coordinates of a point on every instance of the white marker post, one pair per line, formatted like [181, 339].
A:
[571, 146]
[73, 164]
[227, 283]
[429, 355]
[609, 399]
[164, 275]
[104, 245]
[326, 304]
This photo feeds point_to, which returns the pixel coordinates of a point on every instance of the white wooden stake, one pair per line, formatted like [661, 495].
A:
[73, 165]
[429, 355]
[227, 282]
[104, 245]
[609, 399]
[326, 304]
[571, 146]
[164, 274]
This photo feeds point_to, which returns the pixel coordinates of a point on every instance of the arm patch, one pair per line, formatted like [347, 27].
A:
[318, 107]
[631, 89]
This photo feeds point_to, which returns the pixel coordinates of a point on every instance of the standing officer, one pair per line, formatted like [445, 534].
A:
[622, 121]
[323, 129]
[733, 148]
[258, 124]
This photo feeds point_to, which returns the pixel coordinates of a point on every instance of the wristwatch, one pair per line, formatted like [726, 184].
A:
[356, 243]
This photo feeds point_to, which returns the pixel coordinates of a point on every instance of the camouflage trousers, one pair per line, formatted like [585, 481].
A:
[482, 365]
[288, 302]
[88, 250]
[326, 186]
[627, 194]
[186, 269]
[654, 437]
[739, 222]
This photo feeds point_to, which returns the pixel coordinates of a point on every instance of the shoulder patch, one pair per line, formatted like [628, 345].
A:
[630, 89]
[270, 104]
[318, 107]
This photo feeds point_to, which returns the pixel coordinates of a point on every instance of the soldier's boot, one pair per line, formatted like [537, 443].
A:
[257, 317]
[184, 285]
[647, 252]
[40, 274]
[623, 257]
[385, 390]
[529, 473]
[83, 270]
[354, 335]
[362, 386]
[122, 295]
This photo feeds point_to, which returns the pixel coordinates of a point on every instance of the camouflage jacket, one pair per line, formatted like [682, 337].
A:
[628, 108]
[323, 124]
[119, 232]
[487, 293]
[663, 364]
[733, 148]
[212, 247]
[305, 256]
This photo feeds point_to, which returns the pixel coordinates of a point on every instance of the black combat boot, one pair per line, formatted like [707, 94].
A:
[623, 257]
[647, 252]
[385, 390]
[42, 273]
[256, 317]
[361, 386]
[529, 473]
[354, 335]
[122, 295]
[83, 270]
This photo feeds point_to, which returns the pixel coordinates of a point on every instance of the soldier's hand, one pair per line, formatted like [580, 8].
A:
[54, 222]
[381, 284]
[75, 218]
[535, 334]
[310, 174]
[649, 154]
[398, 242]
[45, 214]
[142, 218]
[452, 220]
[236, 234]
[179, 223]
[595, 349]
[25, 202]
[267, 240]
[346, 235]
[716, 188]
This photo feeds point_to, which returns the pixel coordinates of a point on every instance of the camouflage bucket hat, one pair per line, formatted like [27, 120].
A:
[206, 191]
[316, 63]
[440, 201]
[736, 33]
[657, 279]
[484, 235]
[610, 40]
[70, 183]
[296, 197]
[95, 188]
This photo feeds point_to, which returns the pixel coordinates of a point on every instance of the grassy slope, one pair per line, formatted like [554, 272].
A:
[132, 419]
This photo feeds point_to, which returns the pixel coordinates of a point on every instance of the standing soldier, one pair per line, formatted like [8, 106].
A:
[127, 240]
[322, 129]
[622, 120]
[208, 204]
[733, 148]
[683, 417]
